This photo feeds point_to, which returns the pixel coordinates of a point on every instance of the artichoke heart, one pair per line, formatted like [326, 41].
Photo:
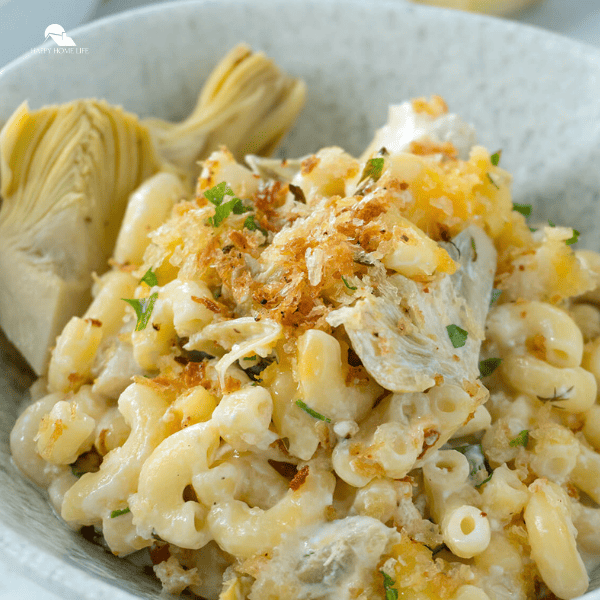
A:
[65, 176]
[247, 104]
[402, 335]
[66, 173]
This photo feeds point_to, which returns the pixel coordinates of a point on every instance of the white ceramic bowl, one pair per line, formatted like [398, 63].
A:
[533, 94]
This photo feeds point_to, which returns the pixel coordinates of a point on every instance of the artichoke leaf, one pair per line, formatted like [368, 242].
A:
[247, 104]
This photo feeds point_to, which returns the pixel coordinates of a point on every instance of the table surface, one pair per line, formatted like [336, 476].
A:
[578, 19]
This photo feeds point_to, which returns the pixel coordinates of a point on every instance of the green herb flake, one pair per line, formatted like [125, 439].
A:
[495, 158]
[474, 247]
[251, 224]
[255, 357]
[217, 193]
[373, 169]
[77, 471]
[475, 457]
[143, 309]
[551, 223]
[485, 480]
[479, 469]
[223, 210]
[118, 513]
[149, 278]
[457, 335]
[524, 209]
[311, 412]
[256, 369]
[532, 229]
[574, 239]
[239, 208]
[492, 181]
[217, 293]
[350, 287]
[557, 397]
[521, 440]
[391, 593]
[488, 366]
[495, 295]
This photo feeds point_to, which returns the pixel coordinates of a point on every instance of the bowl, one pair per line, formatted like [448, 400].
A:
[530, 93]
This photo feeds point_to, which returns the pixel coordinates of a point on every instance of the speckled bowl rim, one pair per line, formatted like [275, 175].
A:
[20, 553]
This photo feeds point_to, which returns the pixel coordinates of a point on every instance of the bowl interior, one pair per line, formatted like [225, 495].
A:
[530, 93]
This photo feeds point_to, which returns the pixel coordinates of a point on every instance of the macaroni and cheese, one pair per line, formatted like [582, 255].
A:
[335, 378]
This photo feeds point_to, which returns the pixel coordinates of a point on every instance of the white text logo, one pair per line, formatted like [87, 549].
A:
[65, 44]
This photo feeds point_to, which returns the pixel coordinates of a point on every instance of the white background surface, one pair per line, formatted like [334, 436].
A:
[22, 25]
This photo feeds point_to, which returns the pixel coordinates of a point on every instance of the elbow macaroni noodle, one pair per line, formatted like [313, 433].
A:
[552, 537]
[251, 438]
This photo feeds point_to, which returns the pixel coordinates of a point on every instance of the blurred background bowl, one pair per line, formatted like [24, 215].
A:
[492, 7]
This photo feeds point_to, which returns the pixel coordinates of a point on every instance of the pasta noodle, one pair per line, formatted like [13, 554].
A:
[330, 378]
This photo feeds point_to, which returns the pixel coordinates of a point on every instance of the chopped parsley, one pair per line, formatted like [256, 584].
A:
[143, 309]
[574, 239]
[488, 366]
[255, 370]
[495, 295]
[216, 195]
[479, 470]
[350, 287]
[495, 158]
[391, 593]
[149, 278]
[250, 357]
[311, 412]
[557, 397]
[118, 513]
[77, 471]
[532, 229]
[457, 335]
[478, 485]
[474, 247]
[251, 224]
[196, 356]
[521, 440]
[222, 211]
[492, 181]
[373, 169]
[524, 209]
